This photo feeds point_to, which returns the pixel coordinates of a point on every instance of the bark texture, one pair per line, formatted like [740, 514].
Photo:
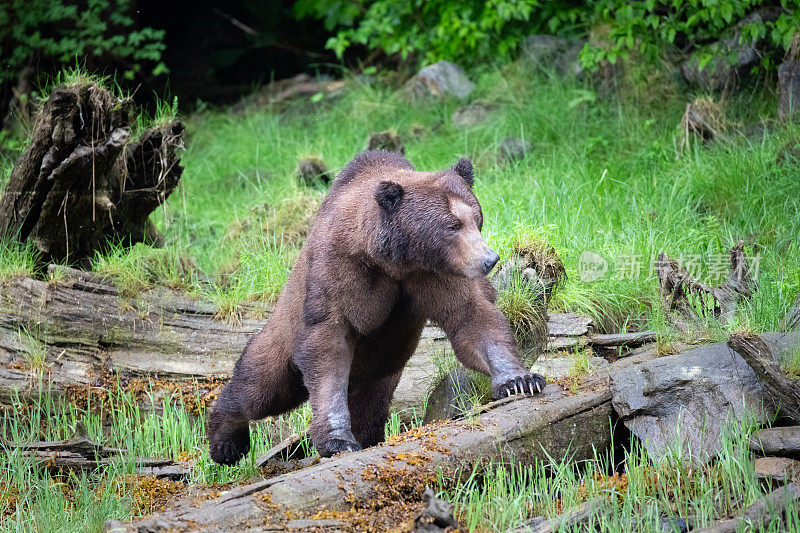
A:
[784, 393]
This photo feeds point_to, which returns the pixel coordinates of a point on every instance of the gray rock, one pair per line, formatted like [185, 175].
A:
[788, 88]
[543, 49]
[777, 469]
[687, 398]
[513, 149]
[719, 72]
[452, 396]
[473, 114]
[568, 64]
[440, 80]
[784, 441]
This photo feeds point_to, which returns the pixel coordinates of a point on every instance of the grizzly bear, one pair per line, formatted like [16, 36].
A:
[389, 249]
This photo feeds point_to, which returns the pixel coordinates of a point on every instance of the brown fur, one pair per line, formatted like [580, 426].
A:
[390, 249]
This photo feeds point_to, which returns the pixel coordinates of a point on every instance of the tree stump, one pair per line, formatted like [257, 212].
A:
[80, 184]
[677, 286]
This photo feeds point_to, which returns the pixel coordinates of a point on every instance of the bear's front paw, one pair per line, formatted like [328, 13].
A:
[226, 448]
[524, 384]
[333, 446]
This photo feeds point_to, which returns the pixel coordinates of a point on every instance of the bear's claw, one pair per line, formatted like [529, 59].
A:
[333, 446]
[227, 449]
[525, 384]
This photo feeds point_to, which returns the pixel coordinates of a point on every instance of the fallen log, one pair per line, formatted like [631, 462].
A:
[289, 448]
[784, 393]
[792, 318]
[580, 518]
[613, 340]
[759, 513]
[78, 453]
[88, 335]
[550, 426]
[80, 184]
[677, 286]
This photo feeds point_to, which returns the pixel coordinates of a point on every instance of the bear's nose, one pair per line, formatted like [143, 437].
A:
[490, 261]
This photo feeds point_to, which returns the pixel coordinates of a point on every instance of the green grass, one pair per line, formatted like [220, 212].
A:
[17, 260]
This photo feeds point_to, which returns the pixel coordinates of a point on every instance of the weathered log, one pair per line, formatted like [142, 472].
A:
[79, 184]
[792, 318]
[289, 448]
[78, 453]
[784, 393]
[609, 340]
[759, 513]
[87, 333]
[550, 426]
[677, 285]
[578, 518]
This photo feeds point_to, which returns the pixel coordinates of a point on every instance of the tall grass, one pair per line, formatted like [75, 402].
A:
[17, 259]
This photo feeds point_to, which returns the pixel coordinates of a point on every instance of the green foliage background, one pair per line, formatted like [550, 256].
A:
[474, 31]
[64, 31]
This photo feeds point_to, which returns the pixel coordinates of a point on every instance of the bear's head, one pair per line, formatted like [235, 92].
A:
[432, 222]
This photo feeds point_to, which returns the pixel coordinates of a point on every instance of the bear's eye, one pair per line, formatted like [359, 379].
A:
[454, 225]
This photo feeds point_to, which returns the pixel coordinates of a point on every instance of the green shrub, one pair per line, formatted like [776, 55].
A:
[650, 26]
[63, 31]
[474, 31]
[439, 29]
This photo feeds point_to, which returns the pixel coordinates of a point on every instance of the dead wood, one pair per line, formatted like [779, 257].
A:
[578, 518]
[784, 394]
[80, 184]
[78, 453]
[437, 517]
[610, 340]
[553, 425]
[792, 319]
[759, 513]
[677, 286]
[286, 450]
[90, 336]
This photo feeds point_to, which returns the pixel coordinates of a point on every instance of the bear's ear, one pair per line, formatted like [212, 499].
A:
[464, 169]
[389, 195]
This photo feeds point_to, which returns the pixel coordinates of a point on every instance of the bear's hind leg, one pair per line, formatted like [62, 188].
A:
[369, 408]
[250, 395]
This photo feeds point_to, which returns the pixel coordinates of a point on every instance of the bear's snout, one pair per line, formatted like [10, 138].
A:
[489, 261]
